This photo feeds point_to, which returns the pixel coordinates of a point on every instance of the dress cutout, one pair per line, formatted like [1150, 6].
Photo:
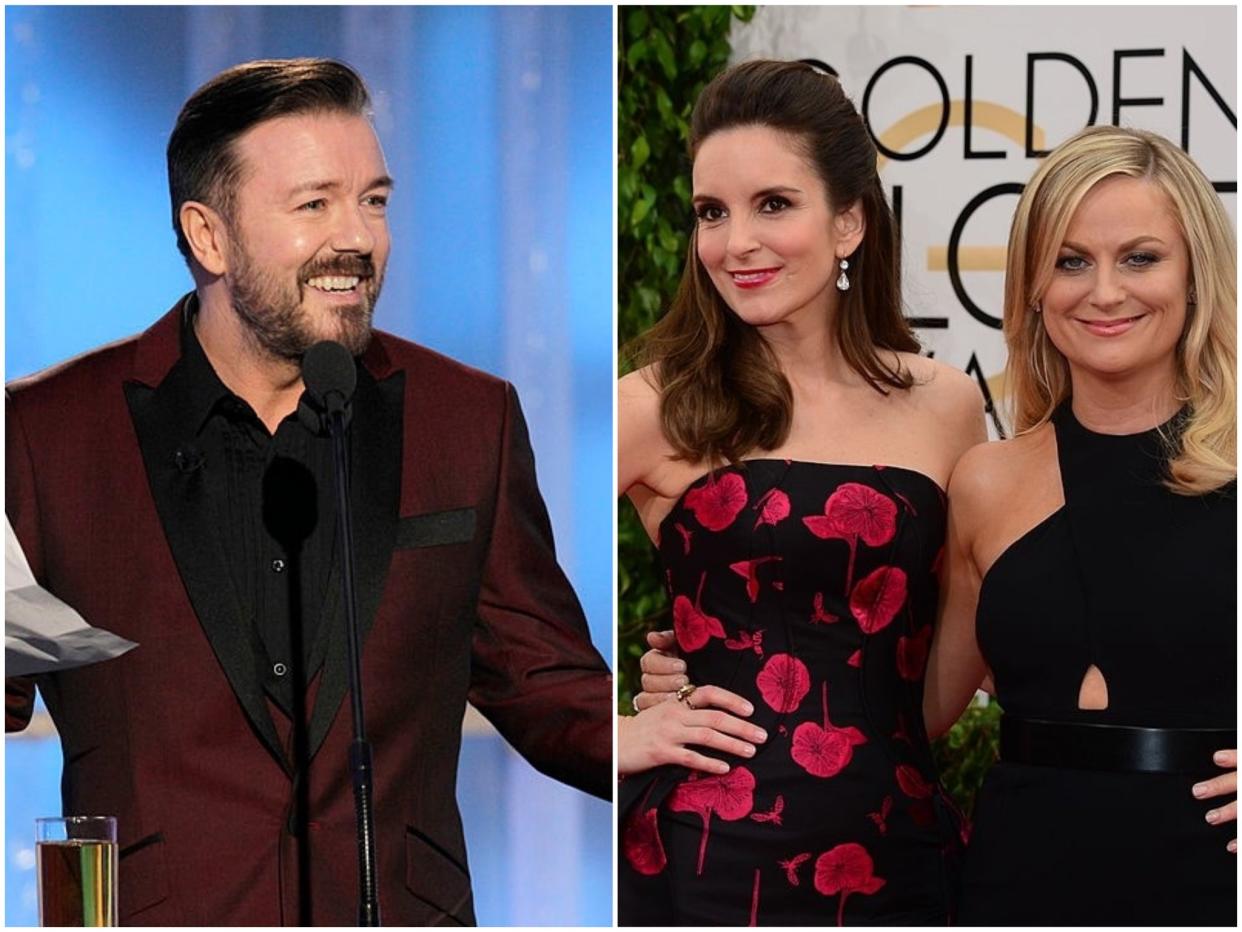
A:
[1142, 581]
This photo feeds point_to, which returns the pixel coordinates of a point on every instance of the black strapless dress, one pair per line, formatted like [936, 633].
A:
[1140, 582]
[810, 589]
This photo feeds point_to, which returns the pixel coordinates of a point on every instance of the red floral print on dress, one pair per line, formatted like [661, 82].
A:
[881, 818]
[878, 598]
[641, 843]
[749, 570]
[773, 815]
[773, 508]
[818, 614]
[853, 512]
[826, 751]
[912, 654]
[855, 659]
[717, 503]
[905, 501]
[791, 867]
[754, 901]
[783, 682]
[685, 537]
[844, 870]
[912, 782]
[692, 626]
[729, 796]
[747, 641]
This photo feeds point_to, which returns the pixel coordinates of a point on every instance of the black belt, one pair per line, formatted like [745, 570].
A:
[1124, 748]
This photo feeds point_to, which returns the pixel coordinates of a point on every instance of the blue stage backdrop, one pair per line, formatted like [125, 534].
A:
[497, 125]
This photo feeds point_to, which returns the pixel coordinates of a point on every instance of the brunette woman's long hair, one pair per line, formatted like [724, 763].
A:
[722, 393]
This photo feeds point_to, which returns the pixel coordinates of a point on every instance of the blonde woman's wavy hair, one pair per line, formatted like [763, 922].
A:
[1037, 375]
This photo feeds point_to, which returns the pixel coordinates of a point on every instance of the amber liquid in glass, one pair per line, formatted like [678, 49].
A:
[77, 883]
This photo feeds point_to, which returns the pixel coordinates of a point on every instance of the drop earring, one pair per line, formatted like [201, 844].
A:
[843, 282]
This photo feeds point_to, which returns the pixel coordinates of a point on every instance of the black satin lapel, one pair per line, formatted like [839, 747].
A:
[376, 439]
[185, 513]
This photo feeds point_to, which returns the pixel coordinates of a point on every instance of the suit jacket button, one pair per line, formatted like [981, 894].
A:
[280, 669]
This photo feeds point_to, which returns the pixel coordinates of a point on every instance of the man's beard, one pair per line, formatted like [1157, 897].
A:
[272, 310]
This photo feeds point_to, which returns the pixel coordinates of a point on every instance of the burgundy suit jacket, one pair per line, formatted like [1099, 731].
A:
[459, 597]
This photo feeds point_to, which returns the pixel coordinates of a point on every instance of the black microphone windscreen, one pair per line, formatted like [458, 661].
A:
[327, 368]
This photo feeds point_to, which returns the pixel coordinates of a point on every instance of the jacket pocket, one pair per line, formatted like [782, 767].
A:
[435, 528]
[437, 878]
[143, 876]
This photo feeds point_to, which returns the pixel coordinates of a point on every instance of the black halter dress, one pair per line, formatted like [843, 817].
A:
[1141, 583]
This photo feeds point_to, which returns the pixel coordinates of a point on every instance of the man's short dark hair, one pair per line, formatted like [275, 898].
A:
[202, 160]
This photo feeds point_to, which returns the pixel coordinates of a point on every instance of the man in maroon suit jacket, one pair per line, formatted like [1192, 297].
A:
[133, 489]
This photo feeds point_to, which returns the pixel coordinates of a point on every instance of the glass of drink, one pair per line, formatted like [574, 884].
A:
[76, 858]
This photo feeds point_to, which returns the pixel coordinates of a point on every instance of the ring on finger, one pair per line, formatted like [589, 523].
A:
[684, 693]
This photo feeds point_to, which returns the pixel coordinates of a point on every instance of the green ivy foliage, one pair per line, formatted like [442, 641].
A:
[967, 751]
[666, 56]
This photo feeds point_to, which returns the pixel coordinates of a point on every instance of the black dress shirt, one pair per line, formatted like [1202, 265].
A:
[276, 523]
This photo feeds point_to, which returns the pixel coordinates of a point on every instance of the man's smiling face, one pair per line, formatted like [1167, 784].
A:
[308, 232]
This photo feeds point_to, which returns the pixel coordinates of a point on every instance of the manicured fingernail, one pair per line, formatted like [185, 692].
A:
[1233, 846]
[760, 735]
[1213, 816]
[1221, 757]
[682, 681]
[749, 750]
[1199, 789]
[722, 767]
[747, 709]
[680, 666]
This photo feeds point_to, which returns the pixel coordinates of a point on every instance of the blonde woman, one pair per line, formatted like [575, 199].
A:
[1092, 558]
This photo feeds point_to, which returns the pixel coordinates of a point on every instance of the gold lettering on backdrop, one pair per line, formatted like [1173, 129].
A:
[996, 117]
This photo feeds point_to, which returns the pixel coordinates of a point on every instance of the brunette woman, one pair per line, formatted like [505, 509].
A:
[786, 448]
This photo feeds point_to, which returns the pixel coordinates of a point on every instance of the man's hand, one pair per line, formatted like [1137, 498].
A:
[1225, 784]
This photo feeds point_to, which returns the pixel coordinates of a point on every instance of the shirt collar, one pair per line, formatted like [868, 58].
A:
[207, 393]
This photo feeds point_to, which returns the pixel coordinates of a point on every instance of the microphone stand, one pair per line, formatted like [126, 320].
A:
[360, 750]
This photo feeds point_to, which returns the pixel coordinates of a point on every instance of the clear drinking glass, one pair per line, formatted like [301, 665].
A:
[76, 858]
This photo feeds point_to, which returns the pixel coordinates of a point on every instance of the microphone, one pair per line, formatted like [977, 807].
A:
[330, 378]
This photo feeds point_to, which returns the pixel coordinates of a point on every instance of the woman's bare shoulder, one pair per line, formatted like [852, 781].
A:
[641, 445]
[989, 474]
[941, 384]
[639, 387]
[638, 408]
[947, 397]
